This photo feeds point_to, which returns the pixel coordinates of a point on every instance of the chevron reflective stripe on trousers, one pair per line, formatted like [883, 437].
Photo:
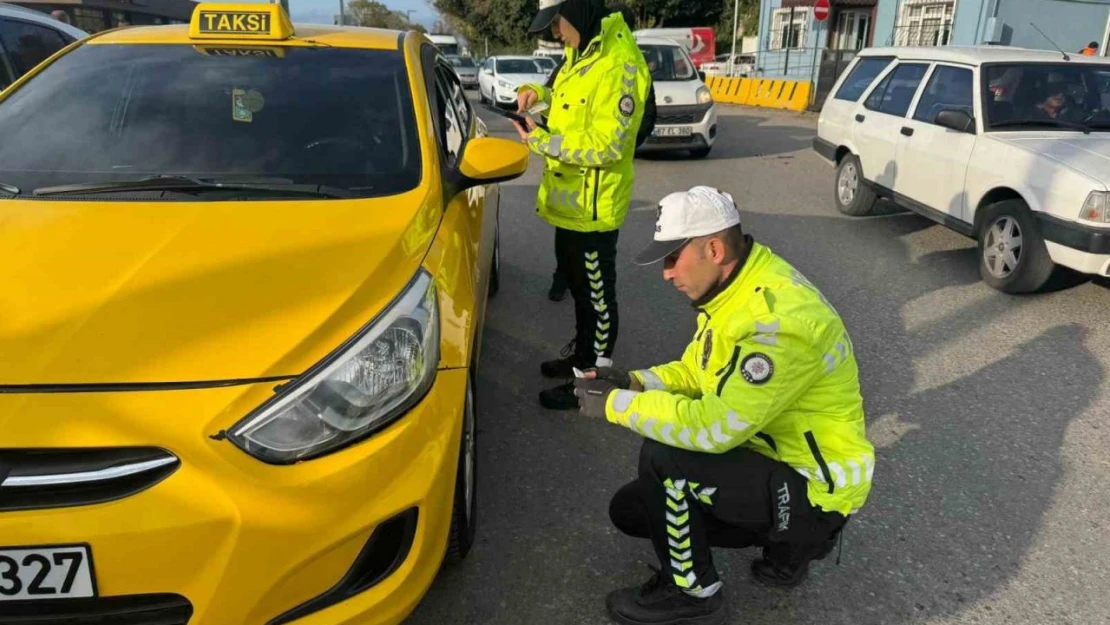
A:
[678, 534]
[597, 299]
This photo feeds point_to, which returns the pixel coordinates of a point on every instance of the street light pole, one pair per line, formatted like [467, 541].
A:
[342, 17]
[735, 29]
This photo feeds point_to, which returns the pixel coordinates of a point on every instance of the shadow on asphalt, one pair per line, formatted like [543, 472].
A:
[756, 132]
[966, 470]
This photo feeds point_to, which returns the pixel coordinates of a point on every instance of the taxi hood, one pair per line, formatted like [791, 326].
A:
[129, 292]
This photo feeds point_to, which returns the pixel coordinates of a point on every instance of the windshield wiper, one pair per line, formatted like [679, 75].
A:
[188, 183]
[11, 190]
[1057, 123]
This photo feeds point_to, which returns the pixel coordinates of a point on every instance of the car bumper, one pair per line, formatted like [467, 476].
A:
[469, 81]
[505, 96]
[241, 541]
[1083, 248]
[825, 149]
[703, 134]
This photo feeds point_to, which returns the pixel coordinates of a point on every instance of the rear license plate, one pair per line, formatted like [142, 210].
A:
[49, 572]
[673, 131]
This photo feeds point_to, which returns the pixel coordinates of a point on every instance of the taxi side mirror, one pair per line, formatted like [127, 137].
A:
[487, 160]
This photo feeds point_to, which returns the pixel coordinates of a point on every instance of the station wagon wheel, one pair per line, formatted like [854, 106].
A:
[463, 519]
[1012, 254]
[853, 196]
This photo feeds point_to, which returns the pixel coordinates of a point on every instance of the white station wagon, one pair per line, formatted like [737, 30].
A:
[1005, 145]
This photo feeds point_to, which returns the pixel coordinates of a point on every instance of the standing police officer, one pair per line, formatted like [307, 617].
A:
[754, 438]
[595, 108]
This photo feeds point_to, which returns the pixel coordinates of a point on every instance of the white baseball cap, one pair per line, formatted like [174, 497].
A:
[685, 215]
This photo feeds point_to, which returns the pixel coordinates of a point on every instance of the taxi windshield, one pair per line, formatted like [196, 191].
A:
[312, 116]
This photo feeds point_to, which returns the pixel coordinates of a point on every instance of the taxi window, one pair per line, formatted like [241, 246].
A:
[104, 113]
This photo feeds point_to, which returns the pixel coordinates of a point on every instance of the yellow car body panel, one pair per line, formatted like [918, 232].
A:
[139, 292]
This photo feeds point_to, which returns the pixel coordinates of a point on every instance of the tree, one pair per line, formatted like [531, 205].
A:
[374, 14]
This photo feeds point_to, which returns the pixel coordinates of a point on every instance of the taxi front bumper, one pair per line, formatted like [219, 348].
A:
[240, 542]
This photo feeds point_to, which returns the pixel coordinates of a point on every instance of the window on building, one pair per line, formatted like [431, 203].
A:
[852, 30]
[895, 93]
[950, 88]
[863, 74]
[788, 28]
[925, 23]
[89, 20]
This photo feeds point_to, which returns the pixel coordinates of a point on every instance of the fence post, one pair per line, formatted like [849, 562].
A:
[789, 42]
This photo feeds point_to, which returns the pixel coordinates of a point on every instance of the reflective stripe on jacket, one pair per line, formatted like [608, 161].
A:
[771, 367]
[596, 104]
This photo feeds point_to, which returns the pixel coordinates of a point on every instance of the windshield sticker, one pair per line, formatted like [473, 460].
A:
[244, 104]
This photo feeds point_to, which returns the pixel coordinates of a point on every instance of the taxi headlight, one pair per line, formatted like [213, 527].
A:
[377, 376]
[1097, 207]
[704, 97]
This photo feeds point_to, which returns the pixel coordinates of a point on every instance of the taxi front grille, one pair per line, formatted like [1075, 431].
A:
[160, 609]
[57, 478]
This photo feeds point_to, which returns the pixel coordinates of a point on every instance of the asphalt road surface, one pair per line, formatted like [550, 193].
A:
[990, 415]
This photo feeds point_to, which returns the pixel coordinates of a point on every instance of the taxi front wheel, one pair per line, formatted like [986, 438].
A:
[463, 520]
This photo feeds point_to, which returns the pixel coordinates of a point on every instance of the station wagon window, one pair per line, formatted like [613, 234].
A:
[895, 93]
[950, 88]
[1046, 96]
[27, 44]
[861, 77]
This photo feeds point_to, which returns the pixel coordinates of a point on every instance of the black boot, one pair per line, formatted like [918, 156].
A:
[564, 366]
[559, 398]
[785, 566]
[660, 602]
[558, 290]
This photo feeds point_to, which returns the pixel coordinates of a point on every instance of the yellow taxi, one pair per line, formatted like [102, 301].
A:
[243, 277]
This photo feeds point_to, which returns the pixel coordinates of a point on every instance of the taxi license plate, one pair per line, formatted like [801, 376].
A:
[673, 131]
[48, 572]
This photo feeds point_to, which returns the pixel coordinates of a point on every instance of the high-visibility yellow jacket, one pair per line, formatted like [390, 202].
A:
[596, 104]
[771, 368]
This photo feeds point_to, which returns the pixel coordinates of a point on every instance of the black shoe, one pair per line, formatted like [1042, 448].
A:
[558, 290]
[559, 398]
[785, 567]
[660, 602]
[563, 367]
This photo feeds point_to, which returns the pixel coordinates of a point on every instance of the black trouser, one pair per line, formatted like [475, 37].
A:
[687, 502]
[589, 260]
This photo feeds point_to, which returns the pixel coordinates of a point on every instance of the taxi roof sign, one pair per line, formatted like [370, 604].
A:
[240, 21]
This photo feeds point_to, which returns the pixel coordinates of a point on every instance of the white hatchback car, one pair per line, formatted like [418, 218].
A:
[1006, 145]
[686, 118]
[27, 38]
[500, 76]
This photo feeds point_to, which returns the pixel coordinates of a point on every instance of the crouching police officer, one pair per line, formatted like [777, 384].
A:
[754, 438]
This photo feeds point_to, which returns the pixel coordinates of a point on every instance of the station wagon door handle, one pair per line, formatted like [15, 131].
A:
[906, 130]
[860, 118]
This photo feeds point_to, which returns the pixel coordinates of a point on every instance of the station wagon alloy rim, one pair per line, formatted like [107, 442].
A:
[848, 183]
[1002, 250]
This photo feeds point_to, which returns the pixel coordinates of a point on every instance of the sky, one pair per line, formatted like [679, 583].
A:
[324, 11]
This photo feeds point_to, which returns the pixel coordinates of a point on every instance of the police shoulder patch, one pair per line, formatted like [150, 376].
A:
[757, 368]
[627, 106]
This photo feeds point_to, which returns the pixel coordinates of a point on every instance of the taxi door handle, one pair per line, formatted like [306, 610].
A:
[906, 130]
[860, 118]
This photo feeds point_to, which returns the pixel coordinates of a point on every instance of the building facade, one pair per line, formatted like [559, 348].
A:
[793, 45]
[94, 16]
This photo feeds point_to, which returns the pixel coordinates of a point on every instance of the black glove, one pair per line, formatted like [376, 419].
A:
[593, 396]
[618, 378]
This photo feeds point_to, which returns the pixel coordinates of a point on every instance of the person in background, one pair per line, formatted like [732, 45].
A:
[60, 15]
[1090, 50]
[596, 105]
